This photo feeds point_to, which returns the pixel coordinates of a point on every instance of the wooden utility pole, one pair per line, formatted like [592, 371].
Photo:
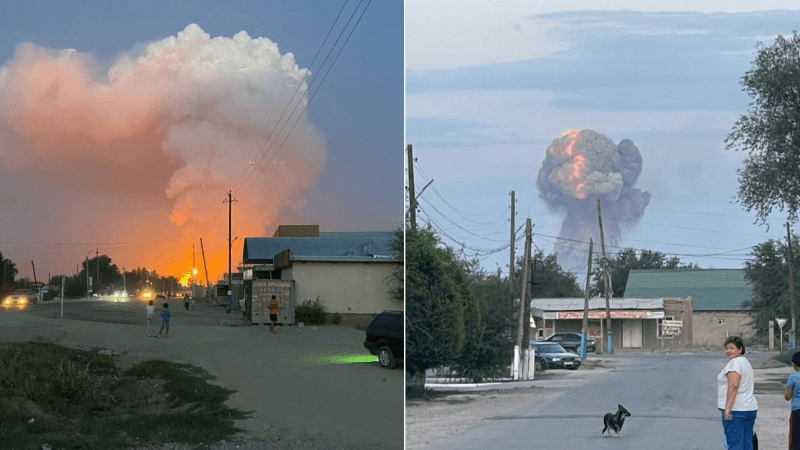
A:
[230, 201]
[412, 196]
[792, 300]
[512, 263]
[607, 283]
[35, 282]
[208, 282]
[585, 328]
[524, 292]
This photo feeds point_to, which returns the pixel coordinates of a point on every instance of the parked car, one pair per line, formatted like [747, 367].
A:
[549, 355]
[21, 297]
[571, 342]
[384, 338]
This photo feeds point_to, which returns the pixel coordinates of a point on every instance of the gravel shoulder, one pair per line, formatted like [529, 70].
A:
[303, 387]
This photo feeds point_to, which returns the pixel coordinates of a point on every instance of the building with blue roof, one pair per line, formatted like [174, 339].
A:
[349, 273]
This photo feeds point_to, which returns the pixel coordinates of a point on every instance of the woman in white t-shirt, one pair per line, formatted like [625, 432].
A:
[735, 397]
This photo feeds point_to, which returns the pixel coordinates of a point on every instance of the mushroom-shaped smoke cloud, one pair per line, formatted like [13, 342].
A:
[147, 149]
[580, 167]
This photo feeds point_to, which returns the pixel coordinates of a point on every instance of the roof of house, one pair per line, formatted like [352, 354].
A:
[710, 289]
[577, 304]
[329, 246]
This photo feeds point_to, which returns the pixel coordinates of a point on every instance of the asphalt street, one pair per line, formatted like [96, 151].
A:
[671, 398]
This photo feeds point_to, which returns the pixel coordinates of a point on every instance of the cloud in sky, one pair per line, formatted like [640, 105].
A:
[150, 146]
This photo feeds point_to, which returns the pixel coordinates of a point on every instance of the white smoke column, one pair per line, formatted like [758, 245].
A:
[580, 167]
[160, 136]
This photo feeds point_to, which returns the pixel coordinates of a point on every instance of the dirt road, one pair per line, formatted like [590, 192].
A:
[305, 387]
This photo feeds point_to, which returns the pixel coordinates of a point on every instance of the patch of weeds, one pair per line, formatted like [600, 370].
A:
[336, 318]
[81, 400]
[310, 312]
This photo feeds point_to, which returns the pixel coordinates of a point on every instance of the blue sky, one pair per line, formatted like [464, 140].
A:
[357, 111]
[489, 90]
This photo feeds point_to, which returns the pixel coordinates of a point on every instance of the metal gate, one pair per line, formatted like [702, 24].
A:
[632, 333]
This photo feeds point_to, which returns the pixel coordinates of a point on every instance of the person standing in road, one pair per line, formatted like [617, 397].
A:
[793, 393]
[164, 320]
[186, 301]
[735, 398]
[151, 312]
[273, 314]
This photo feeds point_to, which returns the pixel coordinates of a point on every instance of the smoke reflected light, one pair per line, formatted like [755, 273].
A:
[579, 168]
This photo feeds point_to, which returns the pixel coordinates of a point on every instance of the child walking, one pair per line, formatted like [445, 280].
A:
[151, 312]
[164, 320]
[793, 393]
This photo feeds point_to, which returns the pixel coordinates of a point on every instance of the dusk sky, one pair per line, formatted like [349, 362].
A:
[489, 89]
[123, 125]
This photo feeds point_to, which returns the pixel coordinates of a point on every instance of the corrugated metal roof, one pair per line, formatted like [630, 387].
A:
[365, 245]
[577, 304]
[711, 289]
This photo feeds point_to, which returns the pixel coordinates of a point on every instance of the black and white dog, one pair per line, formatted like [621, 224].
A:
[613, 421]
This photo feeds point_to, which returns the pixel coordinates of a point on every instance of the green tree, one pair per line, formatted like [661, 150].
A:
[548, 279]
[397, 247]
[439, 304]
[770, 132]
[8, 272]
[767, 272]
[620, 266]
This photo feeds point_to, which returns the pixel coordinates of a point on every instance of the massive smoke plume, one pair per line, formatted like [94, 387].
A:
[580, 167]
[137, 158]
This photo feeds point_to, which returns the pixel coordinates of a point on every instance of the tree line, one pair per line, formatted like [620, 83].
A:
[105, 275]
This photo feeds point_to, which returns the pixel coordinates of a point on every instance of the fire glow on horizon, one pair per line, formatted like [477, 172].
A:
[142, 154]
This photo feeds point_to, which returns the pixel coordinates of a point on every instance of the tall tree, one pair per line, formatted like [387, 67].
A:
[620, 266]
[548, 279]
[768, 273]
[438, 298]
[770, 132]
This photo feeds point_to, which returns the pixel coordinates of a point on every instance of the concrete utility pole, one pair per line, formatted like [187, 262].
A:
[585, 328]
[607, 281]
[97, 255]
[524, 294]
[513, 241]
[230, 201]
[87, 275]
[35, 282]
[792, 300]
[412, 195]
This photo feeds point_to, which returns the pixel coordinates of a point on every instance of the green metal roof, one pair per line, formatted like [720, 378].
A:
[711, 289]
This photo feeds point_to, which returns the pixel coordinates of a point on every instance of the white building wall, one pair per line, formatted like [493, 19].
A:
[345, 287]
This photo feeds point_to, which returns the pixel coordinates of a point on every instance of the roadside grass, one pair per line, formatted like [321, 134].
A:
[71, 399]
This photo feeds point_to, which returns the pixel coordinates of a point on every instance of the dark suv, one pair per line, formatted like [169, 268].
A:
[384, 338]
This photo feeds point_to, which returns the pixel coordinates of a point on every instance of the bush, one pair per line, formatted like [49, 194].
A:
[310, 312]
[336, 318]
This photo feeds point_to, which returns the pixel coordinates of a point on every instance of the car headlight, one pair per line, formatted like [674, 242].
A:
[556, 359]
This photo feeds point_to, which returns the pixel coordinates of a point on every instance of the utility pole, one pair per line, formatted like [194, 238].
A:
[193, 268]
[607, 281]
[585, 328]
[230, 201]
[208, 283]
[87, 275]
[97, 255]
[35, 282]
[513, 241]
[412, 195]
[524, 292]
[792, 300]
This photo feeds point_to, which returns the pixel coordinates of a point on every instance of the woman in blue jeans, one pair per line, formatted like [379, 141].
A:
[735, 398]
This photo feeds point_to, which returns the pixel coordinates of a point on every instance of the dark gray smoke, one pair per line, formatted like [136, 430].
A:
[580, 167]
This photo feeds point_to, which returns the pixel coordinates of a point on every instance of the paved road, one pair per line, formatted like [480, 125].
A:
[314, 387]
[671, 398]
